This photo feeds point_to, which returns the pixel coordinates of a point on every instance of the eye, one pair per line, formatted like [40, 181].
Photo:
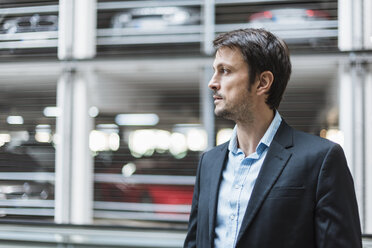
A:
[224, 70]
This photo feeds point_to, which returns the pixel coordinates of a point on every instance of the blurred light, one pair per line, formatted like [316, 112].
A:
[146, 141]
[105, 138]
[93, 111]
[128, 169]
[98, 141]
[178, 145]
[223, 135]
[142, 142]
[108, 128]
[5, 137]
[310, 12]
[197, 139]
[336, 136]
[162, 140]
[268, 14]
[43, 133]
[15, 120]
[43, 137]
[137, 119]
[114, 141]
[323, 133]
[51, 111]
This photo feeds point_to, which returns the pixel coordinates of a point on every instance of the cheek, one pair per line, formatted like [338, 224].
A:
[234, 87]
[229, 88]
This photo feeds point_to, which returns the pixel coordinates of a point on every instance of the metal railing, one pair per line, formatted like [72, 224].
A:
[51, 235]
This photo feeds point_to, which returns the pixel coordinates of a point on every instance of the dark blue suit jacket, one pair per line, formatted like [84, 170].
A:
[303, 197]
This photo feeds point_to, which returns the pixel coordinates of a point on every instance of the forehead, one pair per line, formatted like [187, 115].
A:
[228, 56]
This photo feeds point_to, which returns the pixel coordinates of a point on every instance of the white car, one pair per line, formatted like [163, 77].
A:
[156, 17]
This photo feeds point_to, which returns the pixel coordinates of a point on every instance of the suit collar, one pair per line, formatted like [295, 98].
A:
[284, 135]
[217, 164]
[274, 163]
[264, 141]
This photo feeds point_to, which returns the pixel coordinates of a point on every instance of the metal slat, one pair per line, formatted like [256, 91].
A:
[139, 4]
[29, 10]
[93, 237]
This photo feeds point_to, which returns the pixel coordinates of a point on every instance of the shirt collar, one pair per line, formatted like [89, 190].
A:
[265, 140]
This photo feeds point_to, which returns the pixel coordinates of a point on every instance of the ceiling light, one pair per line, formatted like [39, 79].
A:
[15, 120]
[51, 111]
[137, 119]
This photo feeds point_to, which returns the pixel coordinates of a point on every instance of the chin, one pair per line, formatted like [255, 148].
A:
[224, 114]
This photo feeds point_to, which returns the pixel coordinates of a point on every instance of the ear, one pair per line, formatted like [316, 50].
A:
[265, 79]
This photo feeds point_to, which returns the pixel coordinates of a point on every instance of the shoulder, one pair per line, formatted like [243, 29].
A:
[308, 146]
[311, 141]
[299, 141]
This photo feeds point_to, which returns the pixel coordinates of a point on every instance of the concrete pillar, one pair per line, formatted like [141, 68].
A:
[74, 163]
[209, 26]
[355, 122]
[368, 150]
[207, 106]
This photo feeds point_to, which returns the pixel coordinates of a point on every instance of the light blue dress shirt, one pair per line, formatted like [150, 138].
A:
[237, 184]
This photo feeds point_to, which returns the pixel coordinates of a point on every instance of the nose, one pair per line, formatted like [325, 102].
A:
[213, 83]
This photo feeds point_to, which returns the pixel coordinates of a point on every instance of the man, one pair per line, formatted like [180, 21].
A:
[270, 186]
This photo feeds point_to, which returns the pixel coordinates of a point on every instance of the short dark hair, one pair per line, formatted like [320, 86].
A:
[262, 51]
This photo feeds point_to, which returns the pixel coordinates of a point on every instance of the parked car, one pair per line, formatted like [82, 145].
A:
[31, 158]
[156, 17]
[156, 165]
[293, 21]
[288, 15]
[34, 23]
[19, 160]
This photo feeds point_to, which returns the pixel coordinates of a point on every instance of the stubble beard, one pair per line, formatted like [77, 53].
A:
[241, 113]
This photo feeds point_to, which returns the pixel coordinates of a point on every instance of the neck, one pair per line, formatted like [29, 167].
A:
[250, 132]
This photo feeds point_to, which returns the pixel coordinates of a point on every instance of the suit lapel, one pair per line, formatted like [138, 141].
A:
[216, 167]
[275, 161]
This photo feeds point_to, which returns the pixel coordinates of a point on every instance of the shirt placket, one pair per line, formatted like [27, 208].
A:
[240, 175]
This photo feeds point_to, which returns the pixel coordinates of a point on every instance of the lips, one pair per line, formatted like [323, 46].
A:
[215, 97]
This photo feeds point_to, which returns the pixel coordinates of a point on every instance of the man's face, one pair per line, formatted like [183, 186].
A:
[230, 84]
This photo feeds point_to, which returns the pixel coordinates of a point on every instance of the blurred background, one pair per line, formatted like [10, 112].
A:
[105, 110]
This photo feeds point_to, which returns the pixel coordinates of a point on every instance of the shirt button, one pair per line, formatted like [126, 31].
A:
[232, 217]
[237, 186]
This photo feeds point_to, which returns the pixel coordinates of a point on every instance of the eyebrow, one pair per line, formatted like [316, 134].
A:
[221, 64]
